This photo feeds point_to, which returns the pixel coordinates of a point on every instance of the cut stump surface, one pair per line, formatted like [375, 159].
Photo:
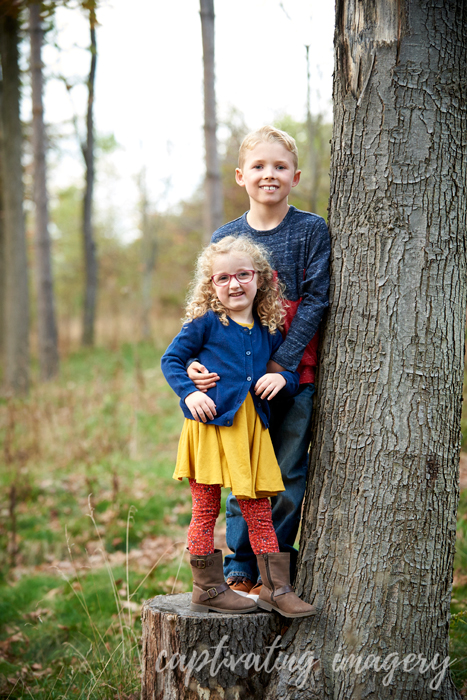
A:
[191, 655]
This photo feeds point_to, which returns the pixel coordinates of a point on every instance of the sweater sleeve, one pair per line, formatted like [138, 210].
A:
[314, 300]
[186, 344]
[292, 378]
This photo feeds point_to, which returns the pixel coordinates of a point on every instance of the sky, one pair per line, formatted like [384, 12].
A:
[149, 87]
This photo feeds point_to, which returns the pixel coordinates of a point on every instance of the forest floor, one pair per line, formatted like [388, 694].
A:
[92, 524]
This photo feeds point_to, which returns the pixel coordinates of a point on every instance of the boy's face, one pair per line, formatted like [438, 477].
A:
[268, 173]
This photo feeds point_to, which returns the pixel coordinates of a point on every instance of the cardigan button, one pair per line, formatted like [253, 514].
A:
[248, 352]
[248, 379]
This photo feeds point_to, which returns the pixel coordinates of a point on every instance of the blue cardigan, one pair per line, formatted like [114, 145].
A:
[239, 355]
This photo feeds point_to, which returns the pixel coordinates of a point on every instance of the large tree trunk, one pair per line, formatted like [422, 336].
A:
[47, 329]
[379, 526]
[16, 308]
[214, 203]
[89, 244]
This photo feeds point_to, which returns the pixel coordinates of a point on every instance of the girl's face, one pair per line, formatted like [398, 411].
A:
[236, 297]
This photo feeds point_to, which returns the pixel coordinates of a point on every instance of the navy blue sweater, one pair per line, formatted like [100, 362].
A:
[238, 354]
[300, 249]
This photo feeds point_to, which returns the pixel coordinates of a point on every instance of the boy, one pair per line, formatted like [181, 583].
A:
[299, 247]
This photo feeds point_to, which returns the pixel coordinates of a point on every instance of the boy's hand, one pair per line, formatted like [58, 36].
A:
[200, 406]
[269, 384]
[274, 367]
[201, 377]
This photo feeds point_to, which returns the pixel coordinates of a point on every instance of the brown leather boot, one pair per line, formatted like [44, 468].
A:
[276, 592]
[210, 591]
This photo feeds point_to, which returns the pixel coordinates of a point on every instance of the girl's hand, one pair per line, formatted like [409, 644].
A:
[201, 377]
[200, 406]
[269, 385]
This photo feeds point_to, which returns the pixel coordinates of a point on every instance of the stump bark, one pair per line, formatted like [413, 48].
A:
[190, 655]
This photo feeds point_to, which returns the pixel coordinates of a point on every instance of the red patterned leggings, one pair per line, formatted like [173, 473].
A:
[206, 507]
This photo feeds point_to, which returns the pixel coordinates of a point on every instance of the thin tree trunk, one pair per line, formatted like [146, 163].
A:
[311, 130]
[315, 141]
[47, 328]
[379, 528]
[2, 255]
[148, 260]
[16, 326]
[214, 202]
[89, 244]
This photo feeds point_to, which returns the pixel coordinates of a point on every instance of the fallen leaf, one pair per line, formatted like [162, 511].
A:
[52, 593]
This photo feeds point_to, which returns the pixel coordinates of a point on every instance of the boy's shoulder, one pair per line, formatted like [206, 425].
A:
[305, 217]
[232, 228]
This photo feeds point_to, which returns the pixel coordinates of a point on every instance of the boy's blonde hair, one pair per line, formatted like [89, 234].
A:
[268, 134]
[269, 298]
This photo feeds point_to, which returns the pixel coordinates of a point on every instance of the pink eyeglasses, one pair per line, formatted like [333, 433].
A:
[222, 279]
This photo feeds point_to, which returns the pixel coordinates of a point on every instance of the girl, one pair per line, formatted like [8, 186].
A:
[232, 325]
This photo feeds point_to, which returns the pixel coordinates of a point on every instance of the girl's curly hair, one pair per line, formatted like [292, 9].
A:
[269, 301]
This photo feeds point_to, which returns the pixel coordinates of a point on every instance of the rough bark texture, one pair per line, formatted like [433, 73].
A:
[169, 626]
[16, 308]
[90, 256]
[47, 328]
[379, 526]
[214, 204]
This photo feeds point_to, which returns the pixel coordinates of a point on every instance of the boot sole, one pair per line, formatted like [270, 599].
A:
[195, 607]
[270, 608]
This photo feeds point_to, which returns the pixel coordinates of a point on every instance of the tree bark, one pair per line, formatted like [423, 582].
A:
[47, 328]
[16, 307]
[214, 203]
[89, 244]
[171, 631]
[378, 535]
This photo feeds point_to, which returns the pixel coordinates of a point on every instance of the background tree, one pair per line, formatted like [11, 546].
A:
[16, 300]
[379, 525]
[148, 257]
[47, 328]
[87, 147]
[2, 256]
[315, 141]
[214, 206]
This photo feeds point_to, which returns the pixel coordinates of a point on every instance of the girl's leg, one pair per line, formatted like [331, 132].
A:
[276, 592]
[258, 517]
[210, 591]
[206, 507]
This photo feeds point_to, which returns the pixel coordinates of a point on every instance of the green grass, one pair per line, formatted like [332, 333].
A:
[89, 460]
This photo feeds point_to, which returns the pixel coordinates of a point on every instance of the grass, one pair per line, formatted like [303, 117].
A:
[92, 524]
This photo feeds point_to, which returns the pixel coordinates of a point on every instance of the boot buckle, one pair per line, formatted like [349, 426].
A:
[212, 592]
[200, 563]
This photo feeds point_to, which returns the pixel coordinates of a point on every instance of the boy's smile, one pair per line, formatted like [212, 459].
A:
[268, 174]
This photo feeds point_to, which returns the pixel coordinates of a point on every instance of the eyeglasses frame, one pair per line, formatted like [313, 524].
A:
[230, 278]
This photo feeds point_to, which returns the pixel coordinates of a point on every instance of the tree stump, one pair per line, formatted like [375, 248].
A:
[190, 655]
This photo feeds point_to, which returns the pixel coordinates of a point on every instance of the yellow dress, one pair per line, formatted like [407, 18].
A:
[240, 457]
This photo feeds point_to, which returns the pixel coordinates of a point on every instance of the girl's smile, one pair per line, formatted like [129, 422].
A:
[237, 297]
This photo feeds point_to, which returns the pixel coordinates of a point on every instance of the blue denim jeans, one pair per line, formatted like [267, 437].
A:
[290, 434]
